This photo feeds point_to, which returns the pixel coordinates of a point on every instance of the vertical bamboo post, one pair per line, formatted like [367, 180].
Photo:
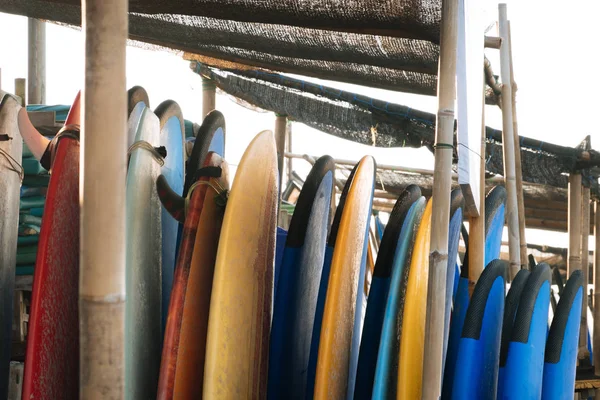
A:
[0, 78]
[518, 168]
[280, 128]
[442, 179]
[574, 224]
[596, 338]
[585, 236]
[508, 146]
[20, 90]
[477, 224]
[288, 149]
[104, 144]
[36, 92]
[209, 94]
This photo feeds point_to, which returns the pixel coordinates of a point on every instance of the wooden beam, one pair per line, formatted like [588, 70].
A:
[584, 353]
[21, 90]
[280, 130]
[493, 42]
[36, 61]
[574, 227]
[596, 278]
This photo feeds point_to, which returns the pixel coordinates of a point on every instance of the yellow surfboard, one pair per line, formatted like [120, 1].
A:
[237, 347]
[410, 368]
[333, 362]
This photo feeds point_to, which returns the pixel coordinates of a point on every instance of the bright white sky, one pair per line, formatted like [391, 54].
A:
[554, 51]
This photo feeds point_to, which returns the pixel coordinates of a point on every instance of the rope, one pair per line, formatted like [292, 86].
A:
[219, 190]
[14, 164]
[142, 144]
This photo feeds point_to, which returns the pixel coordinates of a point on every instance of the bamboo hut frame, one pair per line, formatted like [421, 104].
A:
[440, 215]
[209, 96]
[585, 236]
[508, 145]
[596, 277]
[574, 262]
[36, 91]
[104, 144]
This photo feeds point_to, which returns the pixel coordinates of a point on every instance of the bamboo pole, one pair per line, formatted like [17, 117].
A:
[442, 180]
[20, 90]
[574, 224]
[288, 149]
[477, 224]
[104, 144]
[584, 353]
[508, 146]
[0, 78]
[596, 338]
[37, 61]
[209, 94]
[280, 128]
[518, 168]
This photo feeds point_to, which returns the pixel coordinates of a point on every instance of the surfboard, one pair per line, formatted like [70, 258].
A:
[560, 359]
[137, 101]
[181, 367]
[386, 373]
[524, 367]
[410, 367]
[296, 296]
[494, 224]
[172, 138]
[479, 348]
[143, 339]
[279, 250]
[511, 305]
[52, 356]
[316, 334]
[378, 294]
[237, 346]
[11, 147]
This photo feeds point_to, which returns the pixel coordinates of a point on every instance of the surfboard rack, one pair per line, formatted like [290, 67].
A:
[586, 383]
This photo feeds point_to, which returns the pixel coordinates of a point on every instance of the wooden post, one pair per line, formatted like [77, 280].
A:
[518, 168]
[585, 236]
[477, 224]
[508, 146]
[20, 90]
[102, 199]
[209, 93]
[596, 338]
[442, 179]
[288, 149]
[280, 128]
[37, 62]
[574, 261]
[0, 78]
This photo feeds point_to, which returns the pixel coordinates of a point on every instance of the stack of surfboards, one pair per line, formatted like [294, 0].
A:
[212, 312]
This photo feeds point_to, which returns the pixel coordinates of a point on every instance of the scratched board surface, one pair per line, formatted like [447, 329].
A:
[52, 358]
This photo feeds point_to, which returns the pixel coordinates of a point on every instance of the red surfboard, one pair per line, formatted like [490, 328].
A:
[52, 358]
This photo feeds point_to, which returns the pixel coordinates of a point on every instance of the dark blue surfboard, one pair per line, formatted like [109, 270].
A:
[298, 285]
[525, 359]
[378, 294]
[279, 250]
[456, 221]
[560, 359]
[318, 322]
[479, 347]
[511, 306]
[172, 138]
[494, 224]
[386, 372]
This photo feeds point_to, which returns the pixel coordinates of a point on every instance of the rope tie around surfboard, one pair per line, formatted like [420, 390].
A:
[68, 131]
[158, 153]
[220, 198]
[14, 165]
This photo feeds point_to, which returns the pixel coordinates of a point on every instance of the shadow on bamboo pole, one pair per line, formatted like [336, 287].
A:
[442, 180]
[596, 338]
[104, 144]
[508, 147]
[209, 96]
[518, 168]
[584, 353]
[36, 91]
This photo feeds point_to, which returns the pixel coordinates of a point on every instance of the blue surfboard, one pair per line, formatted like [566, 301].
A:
[511, 306]
[172, 138]
[560, 359]
[378, 294]
[479, 347]
[386, 372]
[523, 371]
[279, 250]
[318, 322]
[494, 224]
[298, 285]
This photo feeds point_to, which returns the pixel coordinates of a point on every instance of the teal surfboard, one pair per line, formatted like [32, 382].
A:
[143, 337]
[296, 295]
[386, 372]
[378, 294]
[524, 367]
[172, 138]
[560, 359]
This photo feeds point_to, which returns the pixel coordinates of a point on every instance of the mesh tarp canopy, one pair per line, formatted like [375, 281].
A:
[379, 123]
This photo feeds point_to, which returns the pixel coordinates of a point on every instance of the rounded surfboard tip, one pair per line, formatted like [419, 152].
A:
[168, 109]
[510, 309]
[136, 95]
[495, 198]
